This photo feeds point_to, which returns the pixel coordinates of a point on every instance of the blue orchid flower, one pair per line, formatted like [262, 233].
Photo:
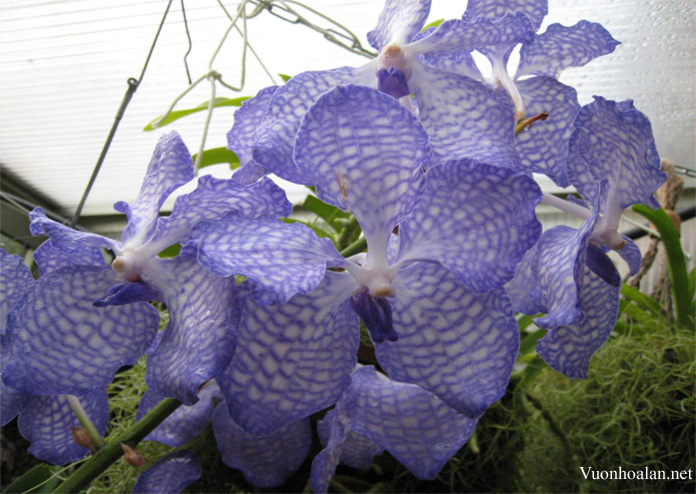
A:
[433, 291]
[613, 163]
[375, 414]
[45, 421]
[534, 89]
[464, 118]
[81, 352]
[171, 474]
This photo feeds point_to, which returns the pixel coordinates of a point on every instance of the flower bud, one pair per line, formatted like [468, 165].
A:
[82, 439]
[132, 456]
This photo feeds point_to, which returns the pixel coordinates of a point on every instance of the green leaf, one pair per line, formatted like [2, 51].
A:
[640, 298]
[525, 320]
[216, 156]
[433, 24]
[176, 115]
[285, 77]
[171, 251]
[331, 214]
[529, 341]
[321, 233]
[692, 283]
[35, 480]
[676, 263]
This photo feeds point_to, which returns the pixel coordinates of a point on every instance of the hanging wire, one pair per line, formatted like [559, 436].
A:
[190, 44]
[685, 171]
[132, 87]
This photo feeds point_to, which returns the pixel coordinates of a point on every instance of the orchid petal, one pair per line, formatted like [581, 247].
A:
[184, 425]
[293, 359]
[366, 153]
[127, 293]
[170, 168]
[15, 281]
[65, 238]
[274, 139]
[47, 422]
[614, 141]
[523, 289]
[419, 430]
[560, 47]
[215, 198]
[543, 147]
[11, 401]
[535, 10]
[481, 245]
[457, 344]
[568, 349]
[198, 342]
[465, 118]
[357, 450]
[399, 22]
[456, 62]
[50, 258]
[169, 475]
[62, 344]
[265, 461]
[457, 35]
[282, 259]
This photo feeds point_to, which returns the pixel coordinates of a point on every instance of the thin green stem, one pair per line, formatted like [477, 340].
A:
[360, 245]
[112, 451]
[85, 421]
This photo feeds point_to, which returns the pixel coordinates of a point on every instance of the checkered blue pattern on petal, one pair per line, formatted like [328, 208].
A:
[281, 259]
[418, 429]
[50, 258]
[274, 138]
[543, 147]
[47, 423]
[465, 118]
[11, 401]
[169, 475]
[325, 462]
[62, 344]
[523, 289]
[246, 119]
[198, 342]
[477, 220]
[456, 62]
[65, 238]
[213, 199]
[170, 168]
[457, 35]
[560, 47]
[399, 21]
[614, 141]
[535, 10]
[365, 151]
[15, 281]
[265, 461]
[293, 359]
[184, 425]
[357, 451]
[568, 348]
[457, 344]
[631, 254]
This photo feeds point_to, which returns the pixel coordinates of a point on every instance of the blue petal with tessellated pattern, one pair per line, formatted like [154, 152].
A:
[282, 259]
[265, 461]
[366, 153]
[399, 22]
[198, 342]
[560, 47]
[50, 258]
[293, 359]
[481, 245]
[170, 475]
[15, 281]
[62, 344]
[454, 342]
[65, 238]
[535, 10]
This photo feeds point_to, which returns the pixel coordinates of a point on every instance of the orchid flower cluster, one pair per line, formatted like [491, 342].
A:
[422, 149]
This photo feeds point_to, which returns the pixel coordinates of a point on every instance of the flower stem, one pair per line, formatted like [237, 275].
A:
[85, 421]
[112, 450]
[566, 206]
[355, 248]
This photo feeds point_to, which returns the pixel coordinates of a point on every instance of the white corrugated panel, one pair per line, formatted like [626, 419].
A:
[64, 66]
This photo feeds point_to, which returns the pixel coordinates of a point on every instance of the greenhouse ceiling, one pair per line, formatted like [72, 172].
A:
[64, 66]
